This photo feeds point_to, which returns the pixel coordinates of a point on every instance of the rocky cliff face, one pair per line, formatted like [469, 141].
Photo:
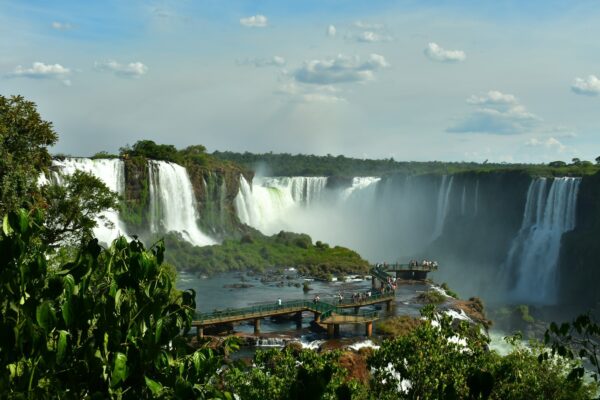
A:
[136, 198]
[215, 188]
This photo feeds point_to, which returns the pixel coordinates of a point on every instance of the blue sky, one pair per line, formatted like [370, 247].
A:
[414, 80]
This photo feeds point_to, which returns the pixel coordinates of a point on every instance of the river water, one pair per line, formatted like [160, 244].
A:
[214, 293]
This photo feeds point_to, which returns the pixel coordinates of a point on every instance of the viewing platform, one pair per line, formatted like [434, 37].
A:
[330, 314]
[417, 272]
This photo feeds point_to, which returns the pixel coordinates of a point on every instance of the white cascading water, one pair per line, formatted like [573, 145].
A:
[173, 204]
[534, 253]
[359, 183]
[476, 205]
[266, 202]
[112, 173]
[442, 206]
[463, 201]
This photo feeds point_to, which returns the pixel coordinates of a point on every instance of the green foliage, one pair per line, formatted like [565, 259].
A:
[397, 326]
[293, 375]
[432, 297]
[449, 291]
[580, 340]
[103, 154]
[257, 252]
[445, 360]
[286, 164]
[24, 138]
[149, 149]
[107, 324]
[523, 311]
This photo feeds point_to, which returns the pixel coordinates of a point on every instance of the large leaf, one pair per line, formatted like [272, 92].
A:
[61, 347]
[155, 387]
[6, 228]
[45, 316]
[119, 372]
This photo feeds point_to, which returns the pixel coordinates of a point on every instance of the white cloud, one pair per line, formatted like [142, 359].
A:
[497, 113]
[549, 143]
[39, 70]
[61, 26]
[371, 37]
[436, 53]
[130, 70]
[589, 86]
[331, 31]
[275, 61]
[366, 25]
[255, 21]
[493, 98]
[368, 33]
[310, 94]
[340, 70]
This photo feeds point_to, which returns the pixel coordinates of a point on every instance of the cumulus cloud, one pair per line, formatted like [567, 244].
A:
[436, 53]
[331, 31]
[371, 37]
[589, 86]
[341, 69]
[130, 70]
[548, 143]
[275, 61]
[255, 21]
[368, 33]
[61, 26]
[310, 94]
[39, 70]
[368, 26]
[497, 113]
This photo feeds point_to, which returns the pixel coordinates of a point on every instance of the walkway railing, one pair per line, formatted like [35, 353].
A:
[324, 308]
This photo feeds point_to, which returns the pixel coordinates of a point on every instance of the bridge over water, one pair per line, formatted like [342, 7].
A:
[327, 314]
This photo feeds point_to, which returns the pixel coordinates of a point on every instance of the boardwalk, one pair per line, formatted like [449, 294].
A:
[329, 314]
[332, 315]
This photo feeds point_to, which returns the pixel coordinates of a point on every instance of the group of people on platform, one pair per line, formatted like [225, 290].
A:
[359, 297]
[424, 263]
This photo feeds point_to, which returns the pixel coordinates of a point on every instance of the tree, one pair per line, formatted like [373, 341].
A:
[576, 161]
[74, 208]
[557, 164]
[597, 160]
[24, 141]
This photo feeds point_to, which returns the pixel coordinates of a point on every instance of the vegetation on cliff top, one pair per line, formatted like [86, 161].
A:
[258, 252]
[286, 164]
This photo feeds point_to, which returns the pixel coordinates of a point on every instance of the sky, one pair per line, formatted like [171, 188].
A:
[504, 81]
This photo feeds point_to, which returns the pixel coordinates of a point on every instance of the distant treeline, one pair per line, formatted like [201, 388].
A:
[285, 164]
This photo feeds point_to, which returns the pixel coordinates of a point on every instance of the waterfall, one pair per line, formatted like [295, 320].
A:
[302, 189]
[173, 204]
[264, 204]
[112, 173]
[442, 206]
[476, 205]
[463, 200]
[533, 256]
[359, 183]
